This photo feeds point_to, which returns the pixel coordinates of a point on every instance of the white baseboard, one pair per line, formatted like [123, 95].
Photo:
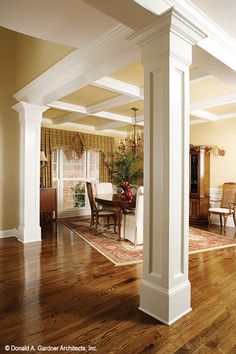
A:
[8, 233]
[216, 193]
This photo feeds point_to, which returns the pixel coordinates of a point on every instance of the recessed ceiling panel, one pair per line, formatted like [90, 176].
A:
[224, 109]
[70, 22]
[126, 109]
[52, 113]
[207, 89]
[89, 95]
[91, 120]
[193, 118]
[132, 74]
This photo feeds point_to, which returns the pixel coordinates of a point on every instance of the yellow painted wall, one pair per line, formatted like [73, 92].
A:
[9, 133]
[34, 56]
[223, 168]
[22, 59]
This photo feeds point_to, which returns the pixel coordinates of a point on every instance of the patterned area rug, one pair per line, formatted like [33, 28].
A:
[125, 253]
[202, 241]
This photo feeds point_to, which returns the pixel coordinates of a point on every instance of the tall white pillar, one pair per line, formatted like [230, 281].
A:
[30, 117]
[166, 55]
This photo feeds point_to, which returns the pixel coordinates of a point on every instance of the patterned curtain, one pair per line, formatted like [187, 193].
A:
[75, 143]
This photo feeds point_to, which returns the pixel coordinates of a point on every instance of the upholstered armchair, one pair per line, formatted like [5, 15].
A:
[132, 223]
[227, 204]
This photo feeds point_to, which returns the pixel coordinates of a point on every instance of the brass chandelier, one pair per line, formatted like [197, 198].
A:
[132, 143]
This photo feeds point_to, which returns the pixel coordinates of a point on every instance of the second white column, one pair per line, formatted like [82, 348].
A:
[166, 55]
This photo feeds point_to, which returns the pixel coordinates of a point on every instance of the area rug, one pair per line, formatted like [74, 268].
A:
[202, 241]
[125, 253]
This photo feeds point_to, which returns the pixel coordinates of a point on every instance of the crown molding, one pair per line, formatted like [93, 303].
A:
[26, 107]
[218, 42]
[118, 31]
[170, 20]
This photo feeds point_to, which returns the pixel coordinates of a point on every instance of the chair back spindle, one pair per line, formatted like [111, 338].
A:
[92, 203]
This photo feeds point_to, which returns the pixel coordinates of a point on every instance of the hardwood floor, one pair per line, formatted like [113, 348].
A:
[63, 292]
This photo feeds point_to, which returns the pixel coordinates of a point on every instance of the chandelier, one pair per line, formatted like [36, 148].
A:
[133, 143]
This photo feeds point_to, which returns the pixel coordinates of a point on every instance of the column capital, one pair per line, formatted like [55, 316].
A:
[28, 107]
[170, 21]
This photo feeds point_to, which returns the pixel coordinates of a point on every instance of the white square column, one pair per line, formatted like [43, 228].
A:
[30, 117]
[166, 54]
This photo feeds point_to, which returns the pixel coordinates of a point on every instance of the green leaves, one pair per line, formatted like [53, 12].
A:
[127, 168]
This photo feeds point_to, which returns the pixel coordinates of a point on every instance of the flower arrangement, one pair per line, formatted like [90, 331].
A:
[127, 191]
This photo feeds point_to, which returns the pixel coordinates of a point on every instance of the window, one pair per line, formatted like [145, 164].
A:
[70, 175]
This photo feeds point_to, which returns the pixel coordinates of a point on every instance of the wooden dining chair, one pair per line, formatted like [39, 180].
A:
[96, 213]
[227, 204]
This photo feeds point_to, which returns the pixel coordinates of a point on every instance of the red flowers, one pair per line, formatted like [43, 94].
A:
[125, 185]
[128, 192]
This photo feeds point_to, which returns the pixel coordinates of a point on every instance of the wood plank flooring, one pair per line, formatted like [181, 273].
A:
[63, 292]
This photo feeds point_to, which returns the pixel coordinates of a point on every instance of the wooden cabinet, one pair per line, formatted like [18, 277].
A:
[48, 203]
[199, 183]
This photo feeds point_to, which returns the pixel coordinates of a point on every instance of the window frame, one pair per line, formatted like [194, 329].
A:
[58, 182]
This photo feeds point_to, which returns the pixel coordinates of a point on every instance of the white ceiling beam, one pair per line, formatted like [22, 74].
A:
[111, 103]
[81, 111]
[70, 107]
[114, 116]
[226, 116]
[93, 70]
[203, 115]
[140, 119]
[82, 67]
[85, 128]
[71, 117]
[119, 87]
[213, 102]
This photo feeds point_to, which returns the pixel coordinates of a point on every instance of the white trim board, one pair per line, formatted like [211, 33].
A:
[8, 233]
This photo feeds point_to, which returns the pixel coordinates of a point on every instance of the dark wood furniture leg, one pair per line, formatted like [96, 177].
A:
[118, 220]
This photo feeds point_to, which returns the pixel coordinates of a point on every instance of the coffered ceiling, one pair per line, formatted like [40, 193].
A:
[96, 85]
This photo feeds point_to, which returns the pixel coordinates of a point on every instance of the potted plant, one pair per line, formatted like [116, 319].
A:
[127, 170]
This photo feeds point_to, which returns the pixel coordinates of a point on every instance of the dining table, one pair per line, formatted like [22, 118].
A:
[119, 203]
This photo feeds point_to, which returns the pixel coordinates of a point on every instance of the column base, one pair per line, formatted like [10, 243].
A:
[167, 306]
[29, 234]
